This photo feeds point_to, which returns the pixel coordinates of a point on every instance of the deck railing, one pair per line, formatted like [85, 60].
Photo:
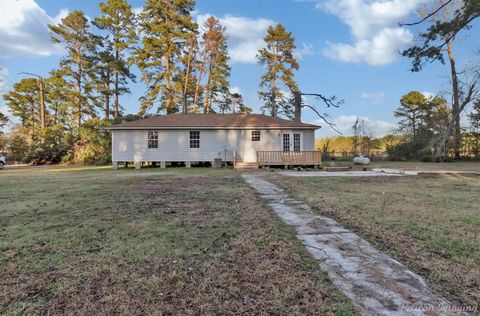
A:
[286, 158]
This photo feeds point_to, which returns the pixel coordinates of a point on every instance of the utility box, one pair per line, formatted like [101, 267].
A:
[217, 163]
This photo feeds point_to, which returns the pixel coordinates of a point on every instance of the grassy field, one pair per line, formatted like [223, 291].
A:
[176, 241]
[431, 223]
[413, 165]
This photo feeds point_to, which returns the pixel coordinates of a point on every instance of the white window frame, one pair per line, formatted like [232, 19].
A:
[152, 139]
[194, 140]
[255, 136]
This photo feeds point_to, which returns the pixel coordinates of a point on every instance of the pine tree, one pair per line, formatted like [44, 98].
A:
[166, 26]
[118, 20]
[410, 112]
[278, 57]
[74, 32]
[23, 103]
[218, 70]
[57, 96]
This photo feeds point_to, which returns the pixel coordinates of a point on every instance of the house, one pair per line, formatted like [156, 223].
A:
[243, 139]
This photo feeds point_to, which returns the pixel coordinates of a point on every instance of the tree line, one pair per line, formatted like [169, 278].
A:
[183, 66]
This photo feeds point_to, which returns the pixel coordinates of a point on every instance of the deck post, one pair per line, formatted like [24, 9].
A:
[188, 164]
[286, 167]
[115, 165]
[163, 164]
[138, 165]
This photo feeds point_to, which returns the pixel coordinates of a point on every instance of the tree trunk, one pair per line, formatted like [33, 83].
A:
[454, 123]
[117, 89]
[168, 85]
[273, 98]
[199, 82]
[187, 75]
[107, 95]
[43, 123]
[456, 103]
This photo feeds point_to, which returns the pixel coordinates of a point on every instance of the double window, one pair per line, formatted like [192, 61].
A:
[194, 139]
[255, 136]
[152, 139]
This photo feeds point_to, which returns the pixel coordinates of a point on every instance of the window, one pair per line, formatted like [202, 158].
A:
[286, 142]
[152, 139]
[296, 142]
[194, 139]
[255, 136]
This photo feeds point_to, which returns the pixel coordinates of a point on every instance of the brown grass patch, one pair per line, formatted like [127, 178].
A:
[161, 243]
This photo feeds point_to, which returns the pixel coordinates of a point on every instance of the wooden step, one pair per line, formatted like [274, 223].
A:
[246, 165]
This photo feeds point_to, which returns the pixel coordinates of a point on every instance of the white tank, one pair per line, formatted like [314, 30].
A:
[360, 160]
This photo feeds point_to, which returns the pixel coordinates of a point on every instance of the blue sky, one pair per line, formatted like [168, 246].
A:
[345, 47]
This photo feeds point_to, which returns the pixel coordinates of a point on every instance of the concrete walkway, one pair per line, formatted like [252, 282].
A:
[375, 283]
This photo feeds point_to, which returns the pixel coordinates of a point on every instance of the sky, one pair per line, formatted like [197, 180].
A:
[347, 48]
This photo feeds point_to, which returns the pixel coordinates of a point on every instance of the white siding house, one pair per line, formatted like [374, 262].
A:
[194, 138]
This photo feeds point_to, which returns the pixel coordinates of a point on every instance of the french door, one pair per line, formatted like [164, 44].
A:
[292, 141]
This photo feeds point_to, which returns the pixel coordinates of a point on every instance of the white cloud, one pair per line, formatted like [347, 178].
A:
[305, 50]
[344, 124]
[374, 26]
[24, 31]
[245, 35]
[428, 94]
[374, 97]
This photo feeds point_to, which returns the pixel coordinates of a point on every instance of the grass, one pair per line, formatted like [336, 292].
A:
[413, 165]
[431, 223]
[87, 240]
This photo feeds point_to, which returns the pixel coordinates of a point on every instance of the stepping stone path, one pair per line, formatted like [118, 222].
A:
[375, 283]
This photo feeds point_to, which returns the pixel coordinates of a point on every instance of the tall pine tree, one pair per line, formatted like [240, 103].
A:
[74, 32]
[217, 63]
[118, 20]
[166, 27]
[278, 58]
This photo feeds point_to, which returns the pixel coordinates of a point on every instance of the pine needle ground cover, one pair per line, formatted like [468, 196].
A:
[176, 241]
[430, 222]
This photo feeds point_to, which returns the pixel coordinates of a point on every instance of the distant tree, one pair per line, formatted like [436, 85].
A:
[278, 58]
[23, 103]
[410, 111]
[74, 32]
[3, 121]
[166, 27]
[118, 20]
[474, 118]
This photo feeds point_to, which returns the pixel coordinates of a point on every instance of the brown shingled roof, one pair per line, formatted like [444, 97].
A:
[215, 121]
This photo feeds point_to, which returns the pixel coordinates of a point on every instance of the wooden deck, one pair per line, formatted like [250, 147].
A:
[289, 158]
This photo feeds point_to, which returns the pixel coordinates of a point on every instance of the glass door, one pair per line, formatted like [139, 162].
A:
[286, 142]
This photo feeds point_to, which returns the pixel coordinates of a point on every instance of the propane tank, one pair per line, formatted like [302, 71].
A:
[361, 160]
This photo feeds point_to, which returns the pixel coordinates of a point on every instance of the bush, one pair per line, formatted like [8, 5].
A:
[49, 147]
[93, 145]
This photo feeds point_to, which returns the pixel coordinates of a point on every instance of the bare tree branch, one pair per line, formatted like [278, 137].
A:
[323, 117]
[329, 101]
[427, 16]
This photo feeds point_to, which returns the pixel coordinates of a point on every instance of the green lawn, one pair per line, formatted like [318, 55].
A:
[431, 223]
[88, 240]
